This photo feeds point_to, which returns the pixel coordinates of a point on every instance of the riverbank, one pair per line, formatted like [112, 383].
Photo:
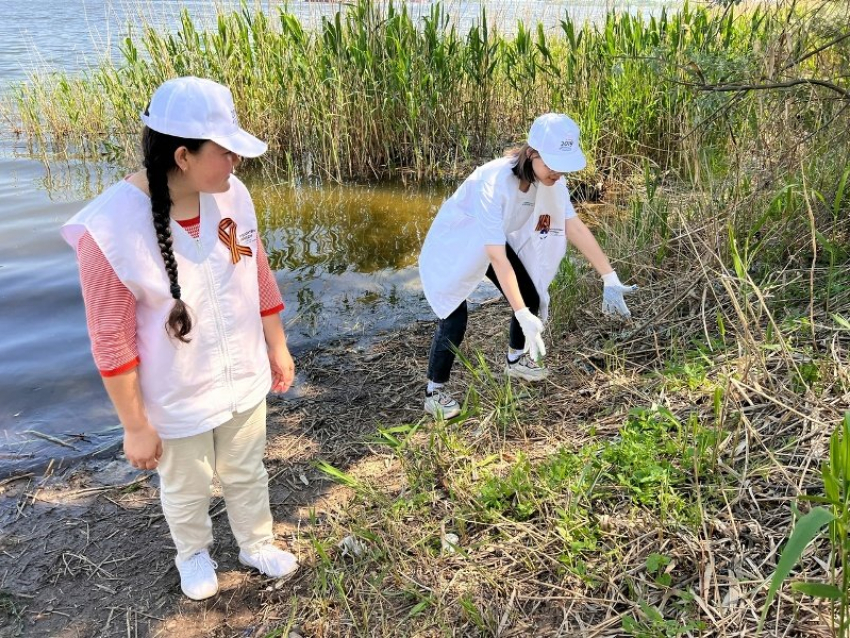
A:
[86, 552]
[648, 487]
[578, 507]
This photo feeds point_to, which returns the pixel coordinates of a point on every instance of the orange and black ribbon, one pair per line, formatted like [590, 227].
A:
[227, 234]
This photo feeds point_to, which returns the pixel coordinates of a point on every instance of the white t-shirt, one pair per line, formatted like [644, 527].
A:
[484, 210]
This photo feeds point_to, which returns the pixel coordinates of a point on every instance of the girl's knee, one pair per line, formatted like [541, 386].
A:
[181, 503]
[237, 476]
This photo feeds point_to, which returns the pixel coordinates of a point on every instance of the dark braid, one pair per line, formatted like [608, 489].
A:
[158, 150]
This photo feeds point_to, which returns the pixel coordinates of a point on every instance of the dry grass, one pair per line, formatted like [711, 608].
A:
[552, 541]
[726, 385]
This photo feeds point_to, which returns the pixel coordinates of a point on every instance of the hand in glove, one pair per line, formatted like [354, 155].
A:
[612, 295]
[532, 328]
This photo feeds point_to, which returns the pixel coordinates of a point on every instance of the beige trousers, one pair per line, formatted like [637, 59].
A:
[234, 452]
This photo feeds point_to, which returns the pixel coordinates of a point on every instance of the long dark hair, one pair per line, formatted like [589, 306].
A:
[158, 151]
[523, 168]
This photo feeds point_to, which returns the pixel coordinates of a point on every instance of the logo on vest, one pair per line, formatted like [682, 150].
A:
[248, 236]
[543, 224]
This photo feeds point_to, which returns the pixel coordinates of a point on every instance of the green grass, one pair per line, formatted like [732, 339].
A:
[564, 500]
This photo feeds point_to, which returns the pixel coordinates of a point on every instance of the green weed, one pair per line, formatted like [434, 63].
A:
[832, 515]
[651, 623]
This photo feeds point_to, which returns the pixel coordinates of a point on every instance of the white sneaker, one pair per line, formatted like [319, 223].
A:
[197, 575]
[440, 405]
[526, 368]
[270, 560]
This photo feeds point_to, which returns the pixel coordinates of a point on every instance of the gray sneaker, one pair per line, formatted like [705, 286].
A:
[440, 405]
[526, 368]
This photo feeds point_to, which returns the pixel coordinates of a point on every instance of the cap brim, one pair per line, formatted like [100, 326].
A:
[242, 143]
[575, 161]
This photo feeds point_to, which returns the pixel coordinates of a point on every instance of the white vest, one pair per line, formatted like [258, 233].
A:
[453, 260]
[187, 388]
[541, 243]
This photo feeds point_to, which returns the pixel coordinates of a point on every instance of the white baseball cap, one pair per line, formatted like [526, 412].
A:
[200, 109]
[556, 138]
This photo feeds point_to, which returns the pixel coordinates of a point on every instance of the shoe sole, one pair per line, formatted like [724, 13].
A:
[516, 374]
[200, 597]
[445, 416]
[289, 573]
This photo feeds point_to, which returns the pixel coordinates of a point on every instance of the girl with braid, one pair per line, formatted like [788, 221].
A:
[183, 314]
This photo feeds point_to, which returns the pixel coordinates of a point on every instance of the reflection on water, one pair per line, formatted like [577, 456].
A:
[334, 229]
[345, 255]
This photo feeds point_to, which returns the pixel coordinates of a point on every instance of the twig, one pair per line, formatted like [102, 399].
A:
[18, 477]
[104, 488]
[736, 88]
[52, 439]
[814, 52]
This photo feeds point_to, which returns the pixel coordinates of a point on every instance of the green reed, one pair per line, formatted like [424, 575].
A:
[374, 92]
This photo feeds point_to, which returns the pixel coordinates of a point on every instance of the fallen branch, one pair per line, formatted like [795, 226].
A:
[726, 88]
[52, 439]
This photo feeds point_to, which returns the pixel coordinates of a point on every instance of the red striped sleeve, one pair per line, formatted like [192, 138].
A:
[270, 300]
[110, 311]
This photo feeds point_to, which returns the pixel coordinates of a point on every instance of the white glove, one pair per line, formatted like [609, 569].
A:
[532, 328]
[612, 295]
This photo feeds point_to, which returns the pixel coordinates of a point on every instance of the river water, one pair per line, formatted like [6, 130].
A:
[344, 257]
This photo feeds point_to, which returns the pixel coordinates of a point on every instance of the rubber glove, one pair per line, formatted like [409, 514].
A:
[612, 295]
[532, 328]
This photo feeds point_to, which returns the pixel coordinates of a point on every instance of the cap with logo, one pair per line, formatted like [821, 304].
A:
[197, 108]
[556, 138]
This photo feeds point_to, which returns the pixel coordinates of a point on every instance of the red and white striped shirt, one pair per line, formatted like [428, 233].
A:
[111, 307]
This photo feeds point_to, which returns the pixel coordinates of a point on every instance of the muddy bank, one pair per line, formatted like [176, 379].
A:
[85, 550]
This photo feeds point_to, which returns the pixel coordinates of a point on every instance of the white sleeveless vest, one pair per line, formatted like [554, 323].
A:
[541, 243]
[187, 388]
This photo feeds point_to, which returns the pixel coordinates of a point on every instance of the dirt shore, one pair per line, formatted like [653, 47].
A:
[85, 551]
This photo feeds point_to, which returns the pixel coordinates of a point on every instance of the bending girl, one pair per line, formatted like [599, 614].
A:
[508, 221]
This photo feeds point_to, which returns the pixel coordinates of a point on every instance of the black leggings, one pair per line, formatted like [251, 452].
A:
[450, 331]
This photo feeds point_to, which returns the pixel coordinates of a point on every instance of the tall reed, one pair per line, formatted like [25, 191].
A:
[375, 93]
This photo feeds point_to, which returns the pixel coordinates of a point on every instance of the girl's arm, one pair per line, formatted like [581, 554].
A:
[531, 326]
[580, 236]
[271, 304]
[111, 319]
[613, 290]
[282, 365]
[142, 444]
[505, 274]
